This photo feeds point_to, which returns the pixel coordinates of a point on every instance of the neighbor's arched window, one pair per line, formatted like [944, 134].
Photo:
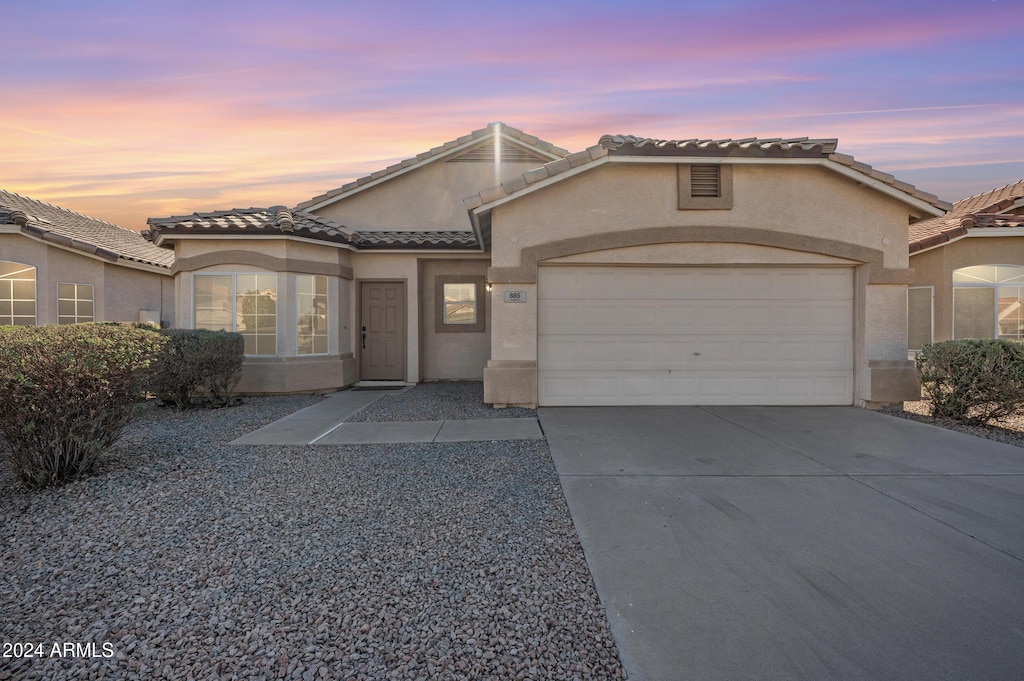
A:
[17, 294]
[988, 302]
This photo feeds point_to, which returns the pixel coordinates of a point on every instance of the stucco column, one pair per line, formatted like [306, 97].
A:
[885, 374]
[510, 377]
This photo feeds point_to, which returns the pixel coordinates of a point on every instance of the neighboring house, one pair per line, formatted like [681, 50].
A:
[969, 270]
[61, 267]
[636, 272]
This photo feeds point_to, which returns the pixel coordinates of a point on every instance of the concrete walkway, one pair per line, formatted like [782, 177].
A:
[797, 543]
[324, 423]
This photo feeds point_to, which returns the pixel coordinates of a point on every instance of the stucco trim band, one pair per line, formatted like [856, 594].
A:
[267, 262]
[526, 273]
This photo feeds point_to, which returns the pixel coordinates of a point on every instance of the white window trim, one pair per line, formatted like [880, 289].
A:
[76, 285]
[983, 284]
[234, 303]
[298, 314]
[35, 290]
[931, 313]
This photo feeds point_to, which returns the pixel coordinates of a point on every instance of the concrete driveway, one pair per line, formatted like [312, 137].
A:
[797, 543]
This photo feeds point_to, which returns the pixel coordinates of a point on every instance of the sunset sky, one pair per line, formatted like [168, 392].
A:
[124, 110]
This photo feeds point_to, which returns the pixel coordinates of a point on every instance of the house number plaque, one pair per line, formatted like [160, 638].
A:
[515, 296]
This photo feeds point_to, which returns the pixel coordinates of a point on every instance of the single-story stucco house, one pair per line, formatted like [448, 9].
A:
[61, 267]
[638, 271]
[969, 270]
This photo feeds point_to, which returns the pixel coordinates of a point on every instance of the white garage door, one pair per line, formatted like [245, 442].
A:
[695, 335]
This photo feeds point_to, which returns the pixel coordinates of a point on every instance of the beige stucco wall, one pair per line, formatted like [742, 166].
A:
[119, 290]
[782, 214]
[936, 266]
[793, 199]
[451, 355]
[428, 197]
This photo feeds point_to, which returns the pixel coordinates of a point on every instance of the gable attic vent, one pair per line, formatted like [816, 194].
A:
[510, 153]
[705, 181]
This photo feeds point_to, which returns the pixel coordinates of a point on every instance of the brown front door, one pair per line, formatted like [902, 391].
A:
[382, 331]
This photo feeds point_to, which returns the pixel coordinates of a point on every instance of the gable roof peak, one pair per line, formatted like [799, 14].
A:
[450, 148]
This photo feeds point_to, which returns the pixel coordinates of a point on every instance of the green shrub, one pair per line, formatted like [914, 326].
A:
[974, 380]
[67, 393]
[197, 366]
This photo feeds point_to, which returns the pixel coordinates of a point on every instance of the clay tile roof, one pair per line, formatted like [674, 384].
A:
[506, 130]
[274, 220]
[383, 240]
[797, 147]
[975, 212]
[283, 221]
[80, 232]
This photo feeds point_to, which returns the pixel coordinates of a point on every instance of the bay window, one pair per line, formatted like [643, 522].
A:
[245, 303]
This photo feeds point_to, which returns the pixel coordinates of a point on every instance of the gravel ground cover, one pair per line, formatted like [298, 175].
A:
[187, 558]
[439, 401]
[1009, 430]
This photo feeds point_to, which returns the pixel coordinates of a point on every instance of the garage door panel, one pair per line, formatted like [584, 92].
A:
[662, 335]
[663, 388]
[619, 353]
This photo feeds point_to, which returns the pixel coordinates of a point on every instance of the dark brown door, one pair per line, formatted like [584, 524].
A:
[382, 331]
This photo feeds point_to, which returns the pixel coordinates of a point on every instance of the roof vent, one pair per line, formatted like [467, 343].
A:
[510, 153]
[705, 181]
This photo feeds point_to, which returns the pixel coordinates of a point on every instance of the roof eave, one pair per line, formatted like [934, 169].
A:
[101, 254]
[171, 236]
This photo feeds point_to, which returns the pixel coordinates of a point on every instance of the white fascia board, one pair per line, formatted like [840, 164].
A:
[330, 244]
[420, 164]
[975, 233]
[245, 237]
[995, 231]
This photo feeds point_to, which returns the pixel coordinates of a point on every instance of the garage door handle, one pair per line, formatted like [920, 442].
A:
[364, 338]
